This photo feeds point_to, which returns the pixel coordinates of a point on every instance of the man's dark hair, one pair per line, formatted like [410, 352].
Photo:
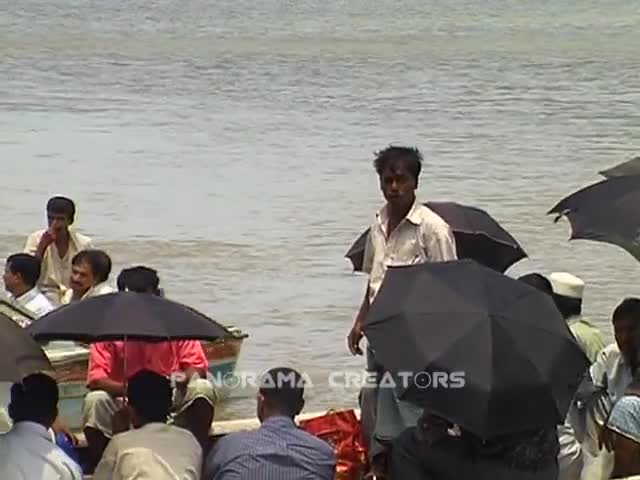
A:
[62, 206]
[35, 399]
[139, 279]
[283, 390]
[410, 157]
[27, 266]
[98, 260]
[629, 308]
[537, 281]
[149, 394]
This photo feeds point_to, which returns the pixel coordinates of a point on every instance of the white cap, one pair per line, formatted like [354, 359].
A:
[566, 285]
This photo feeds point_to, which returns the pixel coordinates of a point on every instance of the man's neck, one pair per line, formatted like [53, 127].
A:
[78, 295]
[20, 291]
[396, 215]
[62, 241]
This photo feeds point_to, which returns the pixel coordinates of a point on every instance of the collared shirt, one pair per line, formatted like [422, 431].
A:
[33, 301]
[27, 453]
[278, 450]
[106, 359]
[152, 452]
[99, 289]
[588, 336]
[611, 372]
[55, 277]
[422, 236]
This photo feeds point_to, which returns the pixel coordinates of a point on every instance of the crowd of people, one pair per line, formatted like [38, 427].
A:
[163, 430]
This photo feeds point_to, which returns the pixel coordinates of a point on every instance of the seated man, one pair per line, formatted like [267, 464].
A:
[278, 449]
[56, 246]
[90, 270]
[21, 274]
[106, 375]
[27, 451]
[153, 450]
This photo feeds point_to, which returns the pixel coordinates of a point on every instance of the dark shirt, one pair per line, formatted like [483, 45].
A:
[454, 458]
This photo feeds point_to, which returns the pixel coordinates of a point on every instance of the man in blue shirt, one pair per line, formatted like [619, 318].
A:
[278, 450]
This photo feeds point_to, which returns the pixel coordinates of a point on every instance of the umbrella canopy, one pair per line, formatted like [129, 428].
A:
[130, 315]
[478, 236]
[496, 354]
[21, 355]
[606, 211]
[631, 167]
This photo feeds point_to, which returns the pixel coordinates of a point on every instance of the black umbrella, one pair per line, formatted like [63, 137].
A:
[21, 354]
[461, 322]
[605, 212]
[631, 167]
[478, 236]
[125, 315]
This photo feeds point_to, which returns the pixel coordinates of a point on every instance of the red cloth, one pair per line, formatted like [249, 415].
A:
[342, 430]
[106, 359]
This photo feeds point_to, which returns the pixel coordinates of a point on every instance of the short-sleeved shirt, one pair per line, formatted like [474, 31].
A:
[106, 359]
[55, 277]
[625, 417]
[611, 372]
[422, 236]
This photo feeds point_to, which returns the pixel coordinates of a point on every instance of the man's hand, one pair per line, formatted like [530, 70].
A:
[48, 237]
[605, 438]
[121, 420]
[354, 338]
[59, 427]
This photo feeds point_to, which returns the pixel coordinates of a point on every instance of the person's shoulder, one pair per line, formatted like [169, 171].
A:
[34, 237]
[430, 219]
[322, 447]
[83, 241]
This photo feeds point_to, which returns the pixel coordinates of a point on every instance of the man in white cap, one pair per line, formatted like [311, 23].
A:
[568, 291]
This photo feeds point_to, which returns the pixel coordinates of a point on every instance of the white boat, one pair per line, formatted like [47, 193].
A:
[71, 361]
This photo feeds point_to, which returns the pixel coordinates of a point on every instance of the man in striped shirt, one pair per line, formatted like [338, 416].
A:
[278, 450]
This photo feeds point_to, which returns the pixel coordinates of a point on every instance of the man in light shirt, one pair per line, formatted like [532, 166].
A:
[90, 270]
[403, 232]
[568, 291]
[56, 246]
[21, 275]
[27, 451]
[153, 450]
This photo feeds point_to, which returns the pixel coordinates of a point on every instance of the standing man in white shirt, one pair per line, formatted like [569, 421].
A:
[404, 232]
[56, 246]
[21, 274]
[27, 451]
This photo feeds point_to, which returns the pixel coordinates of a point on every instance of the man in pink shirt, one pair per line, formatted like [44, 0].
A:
[106, 374]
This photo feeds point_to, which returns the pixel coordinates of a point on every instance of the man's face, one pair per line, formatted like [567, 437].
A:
[82, 277]
[58, 222]
[10, 279]
[398, 185]
[625, 332]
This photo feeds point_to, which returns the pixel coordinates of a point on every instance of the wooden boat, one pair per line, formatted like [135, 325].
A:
[71, 360]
